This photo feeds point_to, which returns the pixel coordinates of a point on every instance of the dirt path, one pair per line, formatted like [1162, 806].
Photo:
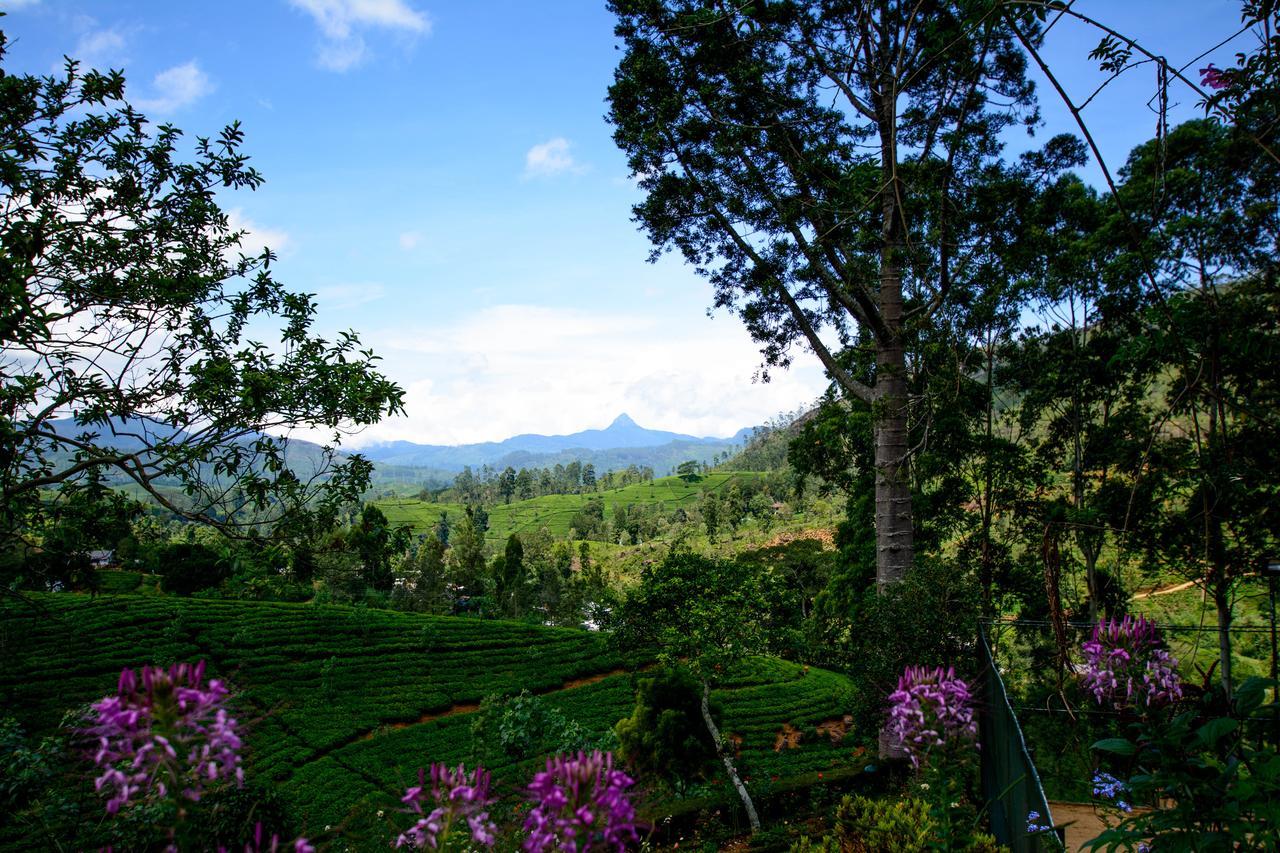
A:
[1178, 587]
[1082, 820]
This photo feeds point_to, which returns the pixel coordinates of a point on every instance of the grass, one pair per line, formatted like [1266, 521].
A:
[556, 512]
[345, 703]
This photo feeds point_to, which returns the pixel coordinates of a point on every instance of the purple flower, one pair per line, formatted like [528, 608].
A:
[1214, 77]
[1108, 787]
[1033, 824]
[1125, 664]
[457, 796]
[930, 708]
[579, 804]
[163, 733]
[261, 844]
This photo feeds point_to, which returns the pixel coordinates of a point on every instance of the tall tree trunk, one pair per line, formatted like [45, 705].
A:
[895, 535]
[727, 758]
[894, 532]
[1222, 601]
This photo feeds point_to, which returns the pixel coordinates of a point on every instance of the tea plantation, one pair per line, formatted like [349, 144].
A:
[556, 512]
[345, 703]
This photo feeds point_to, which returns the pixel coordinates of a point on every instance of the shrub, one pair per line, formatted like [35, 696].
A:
[187, 567]
[665, 734]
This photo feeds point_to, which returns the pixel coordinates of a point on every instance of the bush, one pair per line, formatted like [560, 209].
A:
[665, 734]
[904, 825]
[187, 567]
[524, 727]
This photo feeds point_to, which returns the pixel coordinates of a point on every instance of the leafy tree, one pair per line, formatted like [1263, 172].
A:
[707, 615]
[426, 569]
[589, 477]
[509, 576]
[819, 163]
[375, 543]
[520, 727]
[1205, 199]
[127, 306]
[524, 484]
[665, 734]
[710, 509]
[187, 567]
[303, 563]
[466, 559]
[441, 528]
[507, 483]
[688, 470]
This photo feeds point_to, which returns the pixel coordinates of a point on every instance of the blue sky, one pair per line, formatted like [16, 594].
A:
[440, 174]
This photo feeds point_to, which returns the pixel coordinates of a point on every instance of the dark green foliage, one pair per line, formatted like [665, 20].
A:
[1217, 785]
[705, 613]
[893, 825]
[375, 542]
[186, 567]
[109, 233]
[589, 521]
[303, 563]
[929, 619]
[525, 726]
[665, 735]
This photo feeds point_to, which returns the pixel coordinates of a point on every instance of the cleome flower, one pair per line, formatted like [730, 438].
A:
[579, 804]
[930, 708]
[459, 798]
[165, 732]
[1126, 664]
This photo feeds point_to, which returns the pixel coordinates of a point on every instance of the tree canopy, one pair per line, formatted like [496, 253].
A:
[138, 339]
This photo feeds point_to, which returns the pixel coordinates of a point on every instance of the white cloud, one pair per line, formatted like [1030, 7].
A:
[177, 87]
[99, 48]
[510, 369]
[256, 237]
[341, 22]
[410, 240]
[346, 296]
[550, 158]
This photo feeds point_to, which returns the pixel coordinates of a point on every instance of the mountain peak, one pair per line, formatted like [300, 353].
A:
[622, 420]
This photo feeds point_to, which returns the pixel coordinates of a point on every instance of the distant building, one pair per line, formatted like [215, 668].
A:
[102, 559]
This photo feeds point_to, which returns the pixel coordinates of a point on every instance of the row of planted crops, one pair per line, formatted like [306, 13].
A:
[344, 704]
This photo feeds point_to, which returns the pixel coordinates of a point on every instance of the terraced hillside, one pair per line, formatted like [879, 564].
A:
[556, 512]
[347, 702]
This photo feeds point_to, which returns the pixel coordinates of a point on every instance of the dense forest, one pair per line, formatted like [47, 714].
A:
[1008, 584]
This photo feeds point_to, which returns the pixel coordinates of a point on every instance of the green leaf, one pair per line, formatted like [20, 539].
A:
[1214, 730]
[1116, 745]
[1251, 694]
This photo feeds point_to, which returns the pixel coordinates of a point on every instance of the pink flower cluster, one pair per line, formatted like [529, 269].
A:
[458, 796]
[580, 804]
[1214, 77]
[930, 708]
[1126, 664]
[261, 843]
[164, 731]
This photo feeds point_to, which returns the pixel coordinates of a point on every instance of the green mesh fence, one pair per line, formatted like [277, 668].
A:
[1010, 784]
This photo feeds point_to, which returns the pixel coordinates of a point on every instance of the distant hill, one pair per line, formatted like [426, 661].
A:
[408, 465]
[622, 443]
[766, 446]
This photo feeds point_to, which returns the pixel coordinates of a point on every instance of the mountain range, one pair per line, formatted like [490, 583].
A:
[622, 443]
